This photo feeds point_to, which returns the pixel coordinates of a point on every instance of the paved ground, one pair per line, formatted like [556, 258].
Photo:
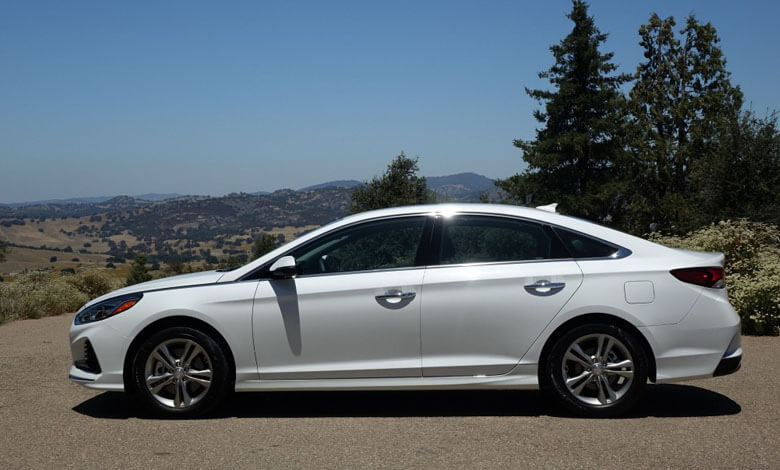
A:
[45, 421]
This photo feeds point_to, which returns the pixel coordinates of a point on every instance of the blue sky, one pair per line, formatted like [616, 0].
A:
[104, 98]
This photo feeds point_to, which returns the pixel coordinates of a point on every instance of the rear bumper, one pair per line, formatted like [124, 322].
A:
[730, 364]
[706, 343]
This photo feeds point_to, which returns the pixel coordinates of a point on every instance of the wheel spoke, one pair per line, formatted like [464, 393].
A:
[625, 364]
[616, 368]
[606, 394]
[186, 399]
[607, 349]
[166, 354]
[598, 348]
[576, 359]
[585, 357]
[573, 380]
[578, 389]
[202, 377]
[608, 387]
[623, 373]
[163, 360]
[185, 352]
[602, 397]
[187, 359]
[177, 397]
[157, 382]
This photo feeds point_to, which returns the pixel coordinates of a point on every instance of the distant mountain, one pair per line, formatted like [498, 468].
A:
[471, 180]
[461, 187]
[73, 209]
[73, 200]
[92, 200]
[333, 184]
[157, 196]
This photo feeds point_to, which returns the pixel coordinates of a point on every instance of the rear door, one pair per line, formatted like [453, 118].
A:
[496, 282]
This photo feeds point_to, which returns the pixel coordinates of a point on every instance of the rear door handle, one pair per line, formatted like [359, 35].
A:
[544, 288]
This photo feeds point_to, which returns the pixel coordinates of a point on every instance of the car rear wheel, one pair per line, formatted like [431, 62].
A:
[180, 371]
[596, 370]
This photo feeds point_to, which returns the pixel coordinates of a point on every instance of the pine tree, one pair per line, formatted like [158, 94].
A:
[399, 186]
[741, 178]
[577, 156]
[263, 245]
[682, 103]
[138, 272]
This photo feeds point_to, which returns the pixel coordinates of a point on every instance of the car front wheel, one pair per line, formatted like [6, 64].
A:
[596, 370]
[180, 371]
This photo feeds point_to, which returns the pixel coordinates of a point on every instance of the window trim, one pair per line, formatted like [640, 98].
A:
[548, 228]
[430, 249]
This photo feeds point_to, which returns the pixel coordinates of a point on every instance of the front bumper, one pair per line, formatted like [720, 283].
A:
[98, 356]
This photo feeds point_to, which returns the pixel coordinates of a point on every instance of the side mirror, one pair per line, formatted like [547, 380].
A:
[284, 268]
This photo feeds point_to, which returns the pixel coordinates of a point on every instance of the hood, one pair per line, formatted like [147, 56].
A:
[182, 280]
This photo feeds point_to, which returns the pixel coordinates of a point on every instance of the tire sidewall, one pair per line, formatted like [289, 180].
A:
[553, 381]
[219, 378]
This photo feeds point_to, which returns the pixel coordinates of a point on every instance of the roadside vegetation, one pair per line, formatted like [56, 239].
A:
[41, 294]
[752, 268]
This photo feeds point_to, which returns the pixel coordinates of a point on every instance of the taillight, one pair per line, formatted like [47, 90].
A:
[707, 277]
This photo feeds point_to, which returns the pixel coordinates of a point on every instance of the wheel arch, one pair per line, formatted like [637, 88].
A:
[598, 318]
[177, 320]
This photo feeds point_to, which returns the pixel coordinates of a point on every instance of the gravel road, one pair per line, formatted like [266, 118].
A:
[47, 422]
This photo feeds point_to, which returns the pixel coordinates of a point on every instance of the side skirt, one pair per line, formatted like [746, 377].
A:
[522, 378]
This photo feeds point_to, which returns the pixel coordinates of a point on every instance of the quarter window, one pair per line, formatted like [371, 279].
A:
[385, 244]
[479, 239]
[582, 246]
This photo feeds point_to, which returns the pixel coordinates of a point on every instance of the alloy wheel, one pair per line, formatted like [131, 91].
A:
[178, 373]
[597, 369]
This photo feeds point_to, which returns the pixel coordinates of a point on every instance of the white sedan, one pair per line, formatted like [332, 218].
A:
[452, 296]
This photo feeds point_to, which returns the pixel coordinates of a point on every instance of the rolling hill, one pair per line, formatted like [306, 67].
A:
[188, 228]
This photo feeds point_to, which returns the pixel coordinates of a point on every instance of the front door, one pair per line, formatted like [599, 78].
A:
[353, 310]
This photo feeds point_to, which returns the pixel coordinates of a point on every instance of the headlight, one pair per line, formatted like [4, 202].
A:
[107, 308]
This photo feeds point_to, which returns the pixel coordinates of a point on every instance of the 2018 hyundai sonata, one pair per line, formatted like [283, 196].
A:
[455, 296]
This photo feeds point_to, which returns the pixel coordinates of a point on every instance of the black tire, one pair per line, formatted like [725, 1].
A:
[590, 396]
[188, 379]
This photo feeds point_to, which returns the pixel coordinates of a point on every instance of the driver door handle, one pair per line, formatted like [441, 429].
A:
[396, 294]
[544, 288]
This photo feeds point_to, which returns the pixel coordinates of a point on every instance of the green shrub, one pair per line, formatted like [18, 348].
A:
[43, 294]
[37, 295]
[752, 268]
[92, 282]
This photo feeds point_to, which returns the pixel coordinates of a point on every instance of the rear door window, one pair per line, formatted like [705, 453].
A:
[483, 239]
